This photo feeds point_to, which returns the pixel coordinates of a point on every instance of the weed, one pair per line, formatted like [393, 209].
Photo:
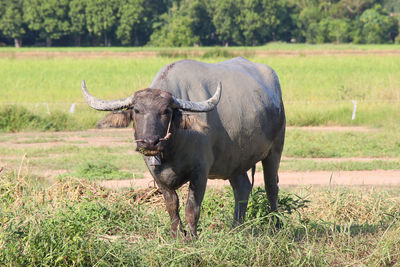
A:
[259, 209]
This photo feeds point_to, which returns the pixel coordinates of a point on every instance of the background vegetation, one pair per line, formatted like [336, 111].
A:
[199, 22]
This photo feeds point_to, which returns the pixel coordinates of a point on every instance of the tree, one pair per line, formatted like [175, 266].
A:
[101, 18]
[393, 6]
[130, 13]
[251, 22]
[354, 8]
[226, 23]
[48, 17]
[77, 18]
[176, 29]
[307, 23]
[11, 21]
[202, 25]
[262, 21]
[152, 19]
[338, 30]
[378, 26]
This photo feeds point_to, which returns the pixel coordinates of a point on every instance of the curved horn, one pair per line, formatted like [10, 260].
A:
[203, 106]
[99, 104]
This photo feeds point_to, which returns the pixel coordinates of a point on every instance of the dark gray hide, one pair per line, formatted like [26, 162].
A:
[247, 126]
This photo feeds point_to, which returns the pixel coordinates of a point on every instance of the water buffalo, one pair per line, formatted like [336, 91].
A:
[185, 138]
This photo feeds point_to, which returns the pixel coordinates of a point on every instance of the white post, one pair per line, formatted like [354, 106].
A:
[353, 116]
[72, 108]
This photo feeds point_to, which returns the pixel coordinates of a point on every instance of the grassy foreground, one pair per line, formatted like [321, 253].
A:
[77, 223]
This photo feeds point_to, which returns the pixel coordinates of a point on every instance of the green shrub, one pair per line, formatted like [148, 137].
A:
[17, 118]
[259, 209]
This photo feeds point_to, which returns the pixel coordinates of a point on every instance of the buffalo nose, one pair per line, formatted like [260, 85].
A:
[151, 141]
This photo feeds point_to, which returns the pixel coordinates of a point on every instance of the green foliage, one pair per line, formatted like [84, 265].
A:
[377, 26]
[202, 26]
[346, 21]
[177, 30]
[392, 6]
[338, 30]
[17, 118]
[258, 208]
[48, 17]
[77, 16]
[129, 12]
[225, 21]
[199, 22]
[11, 20]
[101, 18]
[262, 21]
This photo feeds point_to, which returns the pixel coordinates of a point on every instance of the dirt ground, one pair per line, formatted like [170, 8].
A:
[322, 178]
[123, 137]
[289, 178]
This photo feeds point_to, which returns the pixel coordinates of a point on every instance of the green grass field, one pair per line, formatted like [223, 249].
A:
[53, 211]
[317, 90]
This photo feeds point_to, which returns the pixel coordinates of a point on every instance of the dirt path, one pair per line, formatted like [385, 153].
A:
[122, 137]
[376, 178]
[104, 137]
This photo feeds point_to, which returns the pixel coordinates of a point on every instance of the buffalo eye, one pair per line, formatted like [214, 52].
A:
[165, 112]
[136, 111]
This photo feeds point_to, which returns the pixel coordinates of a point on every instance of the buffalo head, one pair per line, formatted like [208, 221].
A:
[153, 111]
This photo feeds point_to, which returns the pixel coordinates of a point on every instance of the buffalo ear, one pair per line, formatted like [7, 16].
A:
[116, 119]
[192, 122]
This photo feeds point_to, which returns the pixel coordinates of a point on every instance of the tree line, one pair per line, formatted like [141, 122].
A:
[196, 22]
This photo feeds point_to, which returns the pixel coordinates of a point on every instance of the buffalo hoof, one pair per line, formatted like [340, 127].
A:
[190, 237]
[178, 234]
[276, 222]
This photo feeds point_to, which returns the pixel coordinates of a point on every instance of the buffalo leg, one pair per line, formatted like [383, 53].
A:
[271, 165]
[197, 188]
[241, 190]
[172, 205]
